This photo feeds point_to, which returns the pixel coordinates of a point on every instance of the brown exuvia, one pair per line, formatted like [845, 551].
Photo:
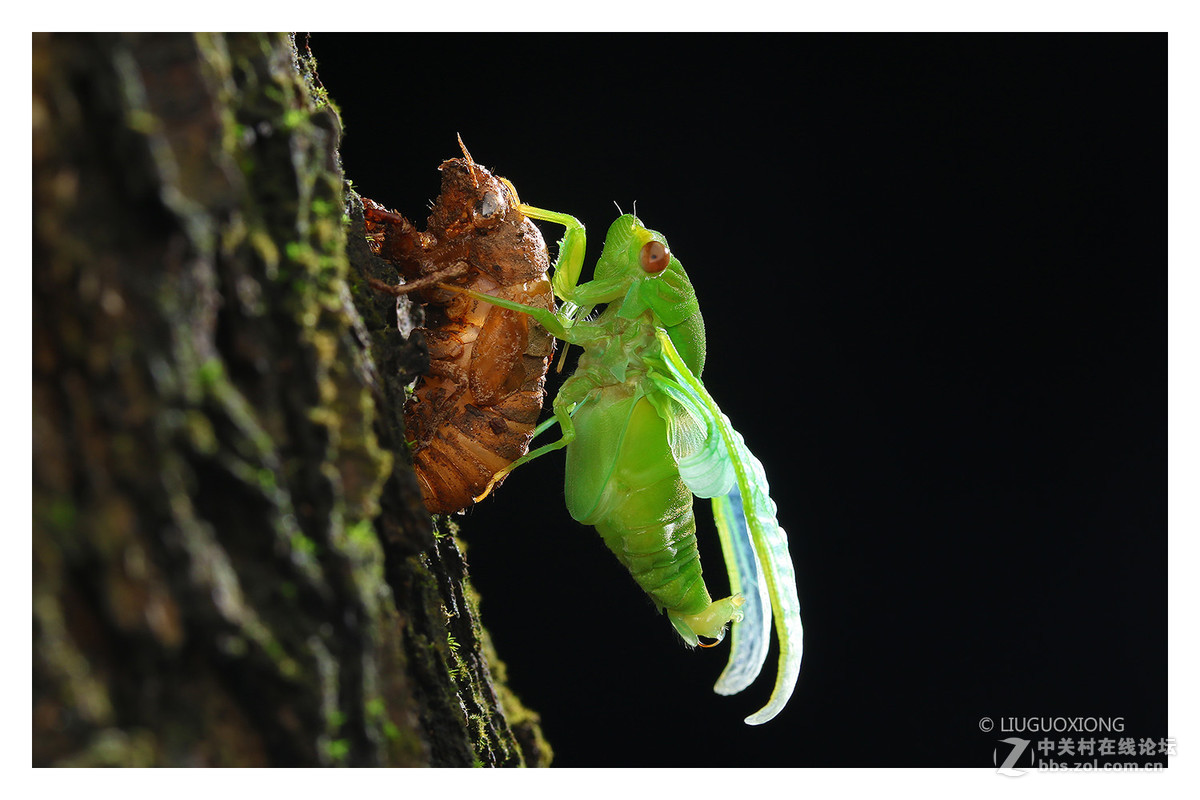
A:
[475, 411]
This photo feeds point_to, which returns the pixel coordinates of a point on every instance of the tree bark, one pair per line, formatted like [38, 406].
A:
[232, 564]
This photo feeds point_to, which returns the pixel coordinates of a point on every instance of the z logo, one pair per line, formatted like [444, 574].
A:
[1008, 767]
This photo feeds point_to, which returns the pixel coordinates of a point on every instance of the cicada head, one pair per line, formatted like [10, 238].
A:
[632, 254]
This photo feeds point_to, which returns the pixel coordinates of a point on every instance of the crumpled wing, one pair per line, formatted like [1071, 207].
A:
[715, 462]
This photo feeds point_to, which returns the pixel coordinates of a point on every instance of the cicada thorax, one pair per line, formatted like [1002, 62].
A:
[475, 411]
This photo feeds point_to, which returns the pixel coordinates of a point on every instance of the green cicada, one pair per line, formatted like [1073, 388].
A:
[643, 436]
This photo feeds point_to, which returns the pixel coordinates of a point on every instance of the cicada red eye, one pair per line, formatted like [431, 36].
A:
[654, 257]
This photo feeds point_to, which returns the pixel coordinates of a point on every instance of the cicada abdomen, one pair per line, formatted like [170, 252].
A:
[475, 411]
[622, 478]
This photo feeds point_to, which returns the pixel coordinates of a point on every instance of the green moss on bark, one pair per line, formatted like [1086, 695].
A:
[231, 563]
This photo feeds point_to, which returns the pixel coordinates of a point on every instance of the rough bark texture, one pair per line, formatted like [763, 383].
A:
[231, 562]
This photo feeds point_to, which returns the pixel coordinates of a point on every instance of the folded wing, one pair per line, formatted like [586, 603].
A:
[715, 462]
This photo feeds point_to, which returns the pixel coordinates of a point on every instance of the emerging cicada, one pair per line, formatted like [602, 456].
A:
[474, 413]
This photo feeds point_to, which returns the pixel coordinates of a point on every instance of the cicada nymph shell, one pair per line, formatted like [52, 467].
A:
[475, 411]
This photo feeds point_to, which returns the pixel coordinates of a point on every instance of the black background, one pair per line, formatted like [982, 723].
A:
[933, 272]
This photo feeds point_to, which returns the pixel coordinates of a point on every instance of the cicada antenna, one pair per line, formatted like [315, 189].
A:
[470, 161]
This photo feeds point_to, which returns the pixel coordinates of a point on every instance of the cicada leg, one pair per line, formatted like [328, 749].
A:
[569, 264]
[424, 282]
[562, 416]
[709, 623]
[570, 396]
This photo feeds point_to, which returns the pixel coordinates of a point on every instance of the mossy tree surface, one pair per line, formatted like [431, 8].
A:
[231, 562]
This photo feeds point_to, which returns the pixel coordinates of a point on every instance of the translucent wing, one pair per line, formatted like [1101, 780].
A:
[708, 471]
[716, 463]
[751, 636]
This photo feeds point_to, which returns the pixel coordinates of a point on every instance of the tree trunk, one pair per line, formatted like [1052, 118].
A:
[231, 561]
